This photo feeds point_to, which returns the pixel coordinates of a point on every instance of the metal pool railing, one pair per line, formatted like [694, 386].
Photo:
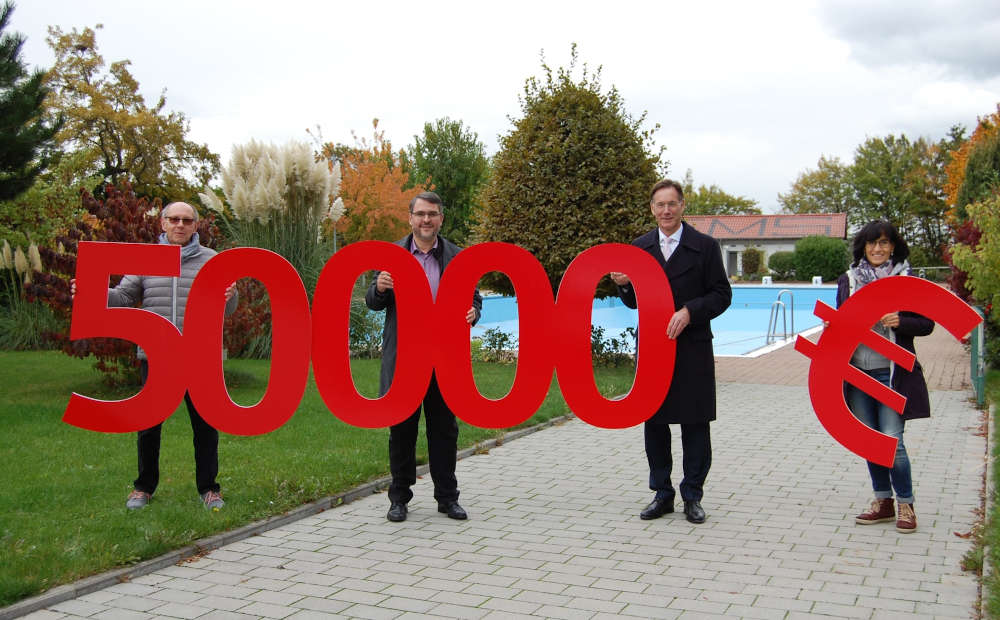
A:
[772, 323]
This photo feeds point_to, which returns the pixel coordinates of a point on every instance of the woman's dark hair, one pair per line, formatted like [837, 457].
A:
[872, 231]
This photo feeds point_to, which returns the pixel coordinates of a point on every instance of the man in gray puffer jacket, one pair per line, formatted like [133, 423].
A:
[167, 296]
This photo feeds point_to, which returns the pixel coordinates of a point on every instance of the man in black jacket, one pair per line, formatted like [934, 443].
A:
[692, 262]
[433, 252]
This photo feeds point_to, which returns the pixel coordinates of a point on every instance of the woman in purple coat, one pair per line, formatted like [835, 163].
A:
[880, 252]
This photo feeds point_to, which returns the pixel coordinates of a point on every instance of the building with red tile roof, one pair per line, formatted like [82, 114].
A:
[768, 233]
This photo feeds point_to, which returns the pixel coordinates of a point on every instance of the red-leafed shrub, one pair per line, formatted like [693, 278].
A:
[246, 332]
[965, 234]
[120, 216]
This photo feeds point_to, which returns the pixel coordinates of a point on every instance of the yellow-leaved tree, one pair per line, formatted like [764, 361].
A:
[123, 137]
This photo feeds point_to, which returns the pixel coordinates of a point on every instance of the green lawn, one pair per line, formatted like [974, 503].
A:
[62, 497]
[991, 530]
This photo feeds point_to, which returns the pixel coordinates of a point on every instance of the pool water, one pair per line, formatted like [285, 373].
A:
[740, 330]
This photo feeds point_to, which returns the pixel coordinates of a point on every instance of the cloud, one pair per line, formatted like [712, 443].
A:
[961, 39]
[747, 94]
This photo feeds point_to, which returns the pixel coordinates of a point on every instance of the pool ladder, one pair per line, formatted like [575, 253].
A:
[772, 323]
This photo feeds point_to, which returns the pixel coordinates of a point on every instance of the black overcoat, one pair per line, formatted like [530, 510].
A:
[445, 251]
[910, 384]
[698, 282]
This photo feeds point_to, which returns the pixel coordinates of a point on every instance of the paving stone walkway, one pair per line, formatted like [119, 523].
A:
[554, 532]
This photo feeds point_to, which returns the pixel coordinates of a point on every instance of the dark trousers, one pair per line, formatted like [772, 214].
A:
[697, 443]
[442, 439]
[206, 450]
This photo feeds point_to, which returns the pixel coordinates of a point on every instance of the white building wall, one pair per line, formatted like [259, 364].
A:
[767, 246]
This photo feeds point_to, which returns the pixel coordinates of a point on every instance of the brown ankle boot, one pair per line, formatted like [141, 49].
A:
[880, 510]
[907, 521]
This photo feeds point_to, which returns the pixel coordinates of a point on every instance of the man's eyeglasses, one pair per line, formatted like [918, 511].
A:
[430, 215]
[187, 221]
[673, 204]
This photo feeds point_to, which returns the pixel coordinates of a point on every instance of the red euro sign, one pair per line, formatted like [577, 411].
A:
[850, 326]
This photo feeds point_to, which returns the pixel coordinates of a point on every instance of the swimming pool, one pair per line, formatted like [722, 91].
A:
[741, 330]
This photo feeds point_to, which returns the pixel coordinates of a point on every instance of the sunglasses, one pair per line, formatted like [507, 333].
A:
[187, 221]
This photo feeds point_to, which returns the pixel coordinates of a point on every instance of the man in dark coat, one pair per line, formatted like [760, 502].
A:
[692, 262]
[433, 252]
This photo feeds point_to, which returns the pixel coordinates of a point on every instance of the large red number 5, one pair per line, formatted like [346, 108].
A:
[95, 262]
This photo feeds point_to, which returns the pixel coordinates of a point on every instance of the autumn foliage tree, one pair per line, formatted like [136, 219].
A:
[372, 180]
[969, 177]
[108, 118]
[984, 139]
[973, 187]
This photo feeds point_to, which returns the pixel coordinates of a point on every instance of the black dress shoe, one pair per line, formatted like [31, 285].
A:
[397, 512]
[657, 508]
[693, 511]
[453, 510]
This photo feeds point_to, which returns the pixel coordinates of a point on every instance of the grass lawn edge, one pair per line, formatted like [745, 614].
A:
[989, 509]
[202, 546]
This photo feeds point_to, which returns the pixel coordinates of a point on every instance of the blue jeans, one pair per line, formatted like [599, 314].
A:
[883, 419]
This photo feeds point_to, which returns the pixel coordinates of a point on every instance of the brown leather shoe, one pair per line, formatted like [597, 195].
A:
[907, 521]
[880, 510]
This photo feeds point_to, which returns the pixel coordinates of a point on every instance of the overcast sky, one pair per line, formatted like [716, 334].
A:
[747, 94]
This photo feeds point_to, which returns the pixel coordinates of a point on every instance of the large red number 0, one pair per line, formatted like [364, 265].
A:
[656, 354]
[157, 336]
[451, 353]
[289, 341]
[331, 338]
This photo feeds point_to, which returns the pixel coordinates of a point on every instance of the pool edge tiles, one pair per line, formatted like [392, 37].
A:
[774, 346]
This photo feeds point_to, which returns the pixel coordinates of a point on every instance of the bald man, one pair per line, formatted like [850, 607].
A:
[167, 296]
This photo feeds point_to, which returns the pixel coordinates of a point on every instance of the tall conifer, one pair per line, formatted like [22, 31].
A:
[25, 131]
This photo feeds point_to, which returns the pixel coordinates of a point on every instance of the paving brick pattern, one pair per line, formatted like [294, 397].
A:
[945, 364]
[554, 531]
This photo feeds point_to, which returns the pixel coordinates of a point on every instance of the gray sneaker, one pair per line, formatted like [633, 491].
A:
[213, 501]
[137, 499]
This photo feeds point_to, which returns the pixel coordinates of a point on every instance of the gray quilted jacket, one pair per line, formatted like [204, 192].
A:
[165, 295]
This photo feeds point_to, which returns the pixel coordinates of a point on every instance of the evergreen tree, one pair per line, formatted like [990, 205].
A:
[25, 132]
[575, 172]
